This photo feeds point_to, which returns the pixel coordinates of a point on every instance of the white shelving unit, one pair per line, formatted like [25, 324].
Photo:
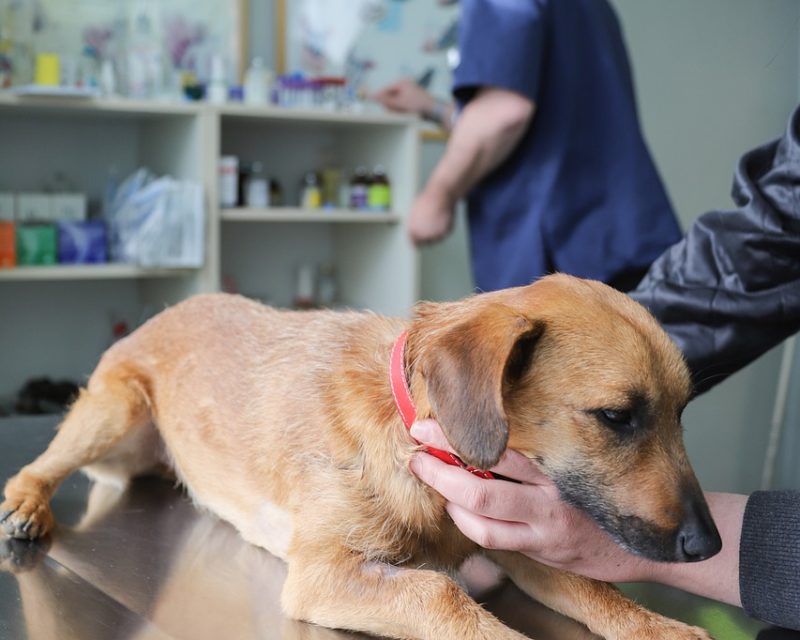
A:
[55, 320]
[89, 272]
[296, 214]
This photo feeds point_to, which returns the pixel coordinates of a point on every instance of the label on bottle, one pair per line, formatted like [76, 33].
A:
[379, 197]
[358, 196]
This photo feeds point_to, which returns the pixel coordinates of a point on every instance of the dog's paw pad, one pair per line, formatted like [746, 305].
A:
[25, 519]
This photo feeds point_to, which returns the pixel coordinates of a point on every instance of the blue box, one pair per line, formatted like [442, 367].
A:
[82, 242]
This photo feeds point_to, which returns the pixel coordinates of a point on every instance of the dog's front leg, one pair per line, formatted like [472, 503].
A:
[603, 608]
[345, 591]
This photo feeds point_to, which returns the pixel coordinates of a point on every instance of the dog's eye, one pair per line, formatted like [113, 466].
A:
[617, 419]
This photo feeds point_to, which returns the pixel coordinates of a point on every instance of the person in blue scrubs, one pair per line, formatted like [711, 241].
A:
[548, 149]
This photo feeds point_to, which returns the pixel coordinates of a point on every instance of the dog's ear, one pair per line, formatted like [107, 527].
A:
[466, 372]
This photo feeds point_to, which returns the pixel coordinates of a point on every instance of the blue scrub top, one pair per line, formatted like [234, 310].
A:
[580, 194]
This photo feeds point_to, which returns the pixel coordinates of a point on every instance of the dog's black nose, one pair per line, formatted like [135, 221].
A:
[698, 538]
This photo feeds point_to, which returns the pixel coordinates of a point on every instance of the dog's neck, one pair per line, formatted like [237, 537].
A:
[404, 403]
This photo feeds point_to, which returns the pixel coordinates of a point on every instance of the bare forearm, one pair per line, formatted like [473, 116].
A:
[718, 577]
[488, 130]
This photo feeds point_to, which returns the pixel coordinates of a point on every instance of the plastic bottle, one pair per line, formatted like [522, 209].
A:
[228, 181]
[379, 193]
[217, 89]
[257, 83]
[257, 187]
[312, 194]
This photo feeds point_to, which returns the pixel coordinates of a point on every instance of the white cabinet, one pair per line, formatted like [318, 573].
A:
[371, 257]
[56, 320]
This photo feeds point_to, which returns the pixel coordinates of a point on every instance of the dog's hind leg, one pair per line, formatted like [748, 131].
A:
[113, 407]
[333, 587]
[603, 608]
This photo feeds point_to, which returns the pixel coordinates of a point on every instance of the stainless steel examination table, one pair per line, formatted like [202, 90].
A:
[146, 564]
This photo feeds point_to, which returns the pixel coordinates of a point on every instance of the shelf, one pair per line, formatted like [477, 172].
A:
[114, 107]
[89, 272]
[290, 214]
[268, 112]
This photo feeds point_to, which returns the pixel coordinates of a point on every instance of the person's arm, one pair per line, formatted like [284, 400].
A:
[487, 131]
[730, 290]
[406, 96]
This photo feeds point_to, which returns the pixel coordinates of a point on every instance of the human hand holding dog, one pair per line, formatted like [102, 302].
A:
[531, 518]
[528, 517]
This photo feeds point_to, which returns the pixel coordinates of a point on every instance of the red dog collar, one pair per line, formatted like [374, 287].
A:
[407, 410]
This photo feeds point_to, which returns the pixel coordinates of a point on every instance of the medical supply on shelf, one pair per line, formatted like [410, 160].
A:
[34, 207]
[330, 179]
[311, 197]
[36, 244]
[228, 181]
[297, 90]
[257, 192]
[68, 206]
[82, 242]
[157, 221]
[217, 92]
[47, 71]
[379, 191]
[49, 207]
[257, 81]
[306, 287]
[359, 188]
[275, 193]
[8, 245]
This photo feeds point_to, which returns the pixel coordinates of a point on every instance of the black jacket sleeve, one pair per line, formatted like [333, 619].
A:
[769, 561]
[730, 290]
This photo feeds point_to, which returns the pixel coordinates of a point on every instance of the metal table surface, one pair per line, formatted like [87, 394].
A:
[145, 563]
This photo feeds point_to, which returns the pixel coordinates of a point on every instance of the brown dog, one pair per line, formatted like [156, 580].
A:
[284, 424]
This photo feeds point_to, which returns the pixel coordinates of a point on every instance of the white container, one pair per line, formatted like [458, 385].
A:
[257, 194]
[257, 82]
[228, 181]
[69, 206]
[6, 207]
[217, 89]
[34, 207]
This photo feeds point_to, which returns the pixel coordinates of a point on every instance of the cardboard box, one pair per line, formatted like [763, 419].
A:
[82, 242]
[8, 245]
[36, 244]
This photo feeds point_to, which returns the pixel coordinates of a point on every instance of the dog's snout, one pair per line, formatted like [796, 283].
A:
[698, 538]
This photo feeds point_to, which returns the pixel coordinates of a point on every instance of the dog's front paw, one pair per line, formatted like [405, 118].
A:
[18, 556]
[26, 518]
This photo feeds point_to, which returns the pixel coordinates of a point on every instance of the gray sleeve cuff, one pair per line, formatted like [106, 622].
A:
[769, 558]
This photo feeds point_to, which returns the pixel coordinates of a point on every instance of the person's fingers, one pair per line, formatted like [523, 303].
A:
[495, 499]
[429, 432]
[512, 464]
[492, 534]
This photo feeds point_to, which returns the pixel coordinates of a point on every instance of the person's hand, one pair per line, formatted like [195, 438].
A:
[405, 96]
[431, 217]
[528, 517]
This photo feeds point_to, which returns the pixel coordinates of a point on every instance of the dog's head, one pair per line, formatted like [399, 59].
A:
[581, 379]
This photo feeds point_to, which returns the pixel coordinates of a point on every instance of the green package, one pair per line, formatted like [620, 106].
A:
[36, 244]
